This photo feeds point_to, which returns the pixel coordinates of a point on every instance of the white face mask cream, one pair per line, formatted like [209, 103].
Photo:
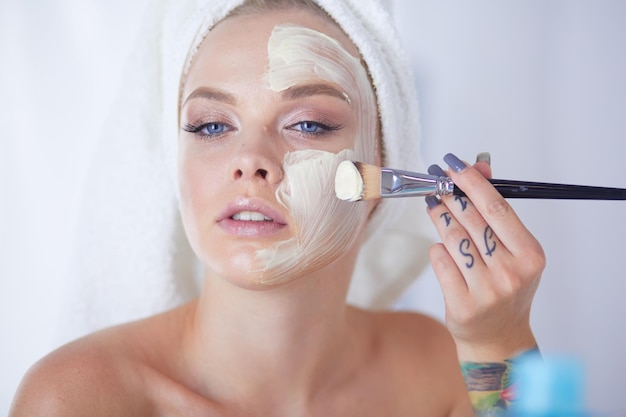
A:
[325, 226]
[348, 182]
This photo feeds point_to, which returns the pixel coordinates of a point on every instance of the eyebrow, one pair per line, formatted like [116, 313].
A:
[307, 90]
[292, 93]
[211, 94]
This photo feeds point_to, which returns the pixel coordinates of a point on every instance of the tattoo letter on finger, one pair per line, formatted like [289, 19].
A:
[463, 247]
[490, 241]
[463, 202]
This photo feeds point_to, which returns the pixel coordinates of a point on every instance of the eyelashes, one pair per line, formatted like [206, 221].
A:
[306, 128]
[311, 128]
[211, 130]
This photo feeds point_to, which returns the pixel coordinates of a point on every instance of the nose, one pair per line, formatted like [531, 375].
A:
[257, 160]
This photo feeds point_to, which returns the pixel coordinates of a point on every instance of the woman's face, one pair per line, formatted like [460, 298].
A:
[270, 106]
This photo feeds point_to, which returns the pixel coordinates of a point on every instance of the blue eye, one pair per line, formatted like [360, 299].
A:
[308, 127]
[212, 129]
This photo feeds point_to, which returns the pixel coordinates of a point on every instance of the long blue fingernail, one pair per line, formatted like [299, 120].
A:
[454, 163]
[435, 169]
[432, 201]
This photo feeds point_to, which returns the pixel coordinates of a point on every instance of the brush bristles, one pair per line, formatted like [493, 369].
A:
[371, 180]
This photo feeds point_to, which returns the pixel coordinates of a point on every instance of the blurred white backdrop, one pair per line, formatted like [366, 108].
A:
[540, 84]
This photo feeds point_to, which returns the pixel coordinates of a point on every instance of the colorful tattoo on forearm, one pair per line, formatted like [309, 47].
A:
[491, 385]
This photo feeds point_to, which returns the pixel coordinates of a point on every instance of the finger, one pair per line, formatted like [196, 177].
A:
[457, 242]
[451, 280]
[491, 205]
[484, 157]
[483, 164]
[461, 208]
[484, 169]
[437, 170]
[483, 236]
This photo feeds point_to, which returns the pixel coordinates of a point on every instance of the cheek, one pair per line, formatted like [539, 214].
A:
[191, 180]
[326, 227]
[198, 187]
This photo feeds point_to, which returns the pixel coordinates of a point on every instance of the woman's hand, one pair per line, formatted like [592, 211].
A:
[488, 266]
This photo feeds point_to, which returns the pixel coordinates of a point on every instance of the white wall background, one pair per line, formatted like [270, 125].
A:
[541, 84]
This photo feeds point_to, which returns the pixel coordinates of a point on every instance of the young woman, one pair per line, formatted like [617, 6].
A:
[271, 99]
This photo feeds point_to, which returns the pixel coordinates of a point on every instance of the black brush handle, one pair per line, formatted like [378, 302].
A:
[544, 190]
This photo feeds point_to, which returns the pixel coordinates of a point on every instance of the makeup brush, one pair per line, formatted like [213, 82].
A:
[356, 181]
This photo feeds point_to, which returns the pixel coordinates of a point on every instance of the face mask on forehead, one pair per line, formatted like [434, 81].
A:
[325, 226]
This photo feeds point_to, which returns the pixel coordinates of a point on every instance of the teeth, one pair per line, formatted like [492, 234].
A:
[251, 216]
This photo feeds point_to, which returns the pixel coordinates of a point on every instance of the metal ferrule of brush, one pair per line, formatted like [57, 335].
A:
[396, 183]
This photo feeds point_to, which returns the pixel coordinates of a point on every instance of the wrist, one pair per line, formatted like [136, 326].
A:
[496, 369]
[498, 350]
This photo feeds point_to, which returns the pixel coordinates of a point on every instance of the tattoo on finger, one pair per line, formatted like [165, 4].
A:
[462, 201]
[490, 241]
[446, 216]
[463, 248]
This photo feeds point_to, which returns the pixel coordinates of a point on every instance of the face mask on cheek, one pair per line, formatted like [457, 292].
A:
[324, 225]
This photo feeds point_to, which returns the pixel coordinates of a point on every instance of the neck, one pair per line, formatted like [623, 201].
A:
[277, 346]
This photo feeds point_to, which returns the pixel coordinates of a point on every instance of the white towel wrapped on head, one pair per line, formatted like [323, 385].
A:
[131, 256]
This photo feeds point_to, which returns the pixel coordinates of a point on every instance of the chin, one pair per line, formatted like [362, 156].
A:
[262, 267]
[254, 280]
[243, 269]
[246, 271]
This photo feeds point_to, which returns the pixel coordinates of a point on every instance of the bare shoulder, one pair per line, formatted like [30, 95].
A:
[71, 381]
[100, 374]
[422, 345]
[416, 332]
[422, 354]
